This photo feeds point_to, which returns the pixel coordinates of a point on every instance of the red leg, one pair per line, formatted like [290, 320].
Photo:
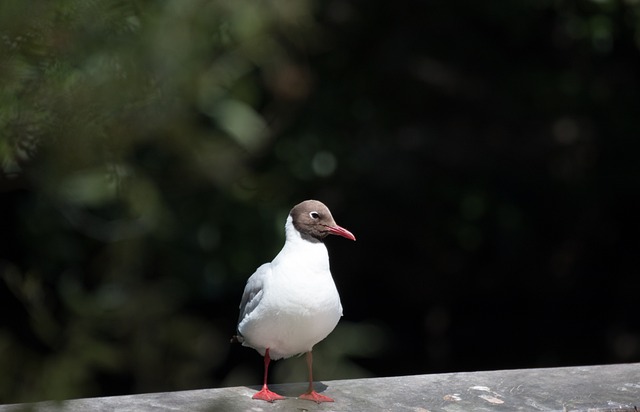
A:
[265, 394]
[311, 394]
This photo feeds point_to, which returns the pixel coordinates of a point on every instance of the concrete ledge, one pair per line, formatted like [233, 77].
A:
[590, 388]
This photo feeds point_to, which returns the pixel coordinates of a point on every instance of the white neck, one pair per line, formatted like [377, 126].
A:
[302, 252]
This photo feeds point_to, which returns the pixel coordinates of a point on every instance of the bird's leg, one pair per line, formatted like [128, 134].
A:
[311, 394]
[265, 394]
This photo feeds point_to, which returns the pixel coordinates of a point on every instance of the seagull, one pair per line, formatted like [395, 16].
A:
[292, 303]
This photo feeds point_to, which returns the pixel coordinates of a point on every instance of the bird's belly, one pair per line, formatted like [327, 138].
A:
[292, 325]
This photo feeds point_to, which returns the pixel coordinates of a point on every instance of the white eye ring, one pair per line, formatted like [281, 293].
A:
[314, 215]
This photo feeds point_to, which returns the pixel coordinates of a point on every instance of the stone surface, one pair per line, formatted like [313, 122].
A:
[589, 388]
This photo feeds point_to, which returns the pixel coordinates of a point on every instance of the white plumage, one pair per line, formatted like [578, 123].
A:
[292, 303]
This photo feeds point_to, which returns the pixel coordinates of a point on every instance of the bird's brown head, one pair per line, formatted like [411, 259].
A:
[313, 219]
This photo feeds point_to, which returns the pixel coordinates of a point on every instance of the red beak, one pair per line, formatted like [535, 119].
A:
[340, 231]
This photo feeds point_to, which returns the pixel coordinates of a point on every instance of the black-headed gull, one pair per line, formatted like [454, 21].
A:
[292, 303]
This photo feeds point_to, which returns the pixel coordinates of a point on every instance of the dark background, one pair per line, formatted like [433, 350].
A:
[483, 153]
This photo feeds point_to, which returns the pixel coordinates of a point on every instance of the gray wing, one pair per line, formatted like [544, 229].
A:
[253, 292]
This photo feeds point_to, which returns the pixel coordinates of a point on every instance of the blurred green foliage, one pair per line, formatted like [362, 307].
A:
[482, 153]
[129, 133]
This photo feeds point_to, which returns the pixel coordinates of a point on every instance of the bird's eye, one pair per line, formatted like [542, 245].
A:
[314, 215]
